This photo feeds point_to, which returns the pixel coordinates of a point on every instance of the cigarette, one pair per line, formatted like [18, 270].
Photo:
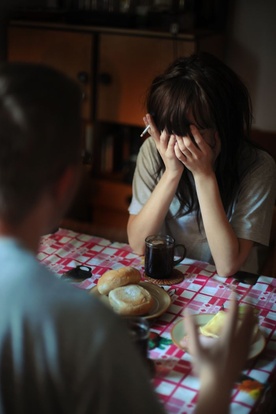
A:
[145, 130]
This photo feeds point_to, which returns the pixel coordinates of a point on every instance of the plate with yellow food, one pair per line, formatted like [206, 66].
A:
[123, 290]
[209, 326]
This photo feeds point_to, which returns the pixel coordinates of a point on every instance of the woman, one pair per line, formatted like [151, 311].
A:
[198, 177]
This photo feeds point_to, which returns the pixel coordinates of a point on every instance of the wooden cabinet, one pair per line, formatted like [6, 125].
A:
[127, 65]
[114, 67]
[68, 51]
[110, 201]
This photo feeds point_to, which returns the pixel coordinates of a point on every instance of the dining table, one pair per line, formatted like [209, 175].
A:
[194, 285]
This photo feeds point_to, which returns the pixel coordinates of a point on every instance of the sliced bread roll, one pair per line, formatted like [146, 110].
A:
[131, 300]
[113, 279]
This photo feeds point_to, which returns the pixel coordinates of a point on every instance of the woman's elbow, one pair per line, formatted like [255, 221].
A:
[136, 247]
[226, 271]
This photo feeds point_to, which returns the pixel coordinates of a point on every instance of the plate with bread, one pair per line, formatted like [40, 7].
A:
[123, 290]
[210, 326]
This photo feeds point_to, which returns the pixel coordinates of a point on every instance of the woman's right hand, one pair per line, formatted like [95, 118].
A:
[145, 223]
[165, 144]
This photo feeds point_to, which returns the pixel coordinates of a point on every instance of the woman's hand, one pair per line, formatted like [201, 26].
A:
[165, 144]
[145, 223]
[198, 156]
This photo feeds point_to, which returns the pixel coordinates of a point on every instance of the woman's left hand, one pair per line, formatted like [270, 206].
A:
[199, 156]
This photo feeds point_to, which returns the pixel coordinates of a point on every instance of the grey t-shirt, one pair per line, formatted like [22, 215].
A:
[62, 350]
[250, 216]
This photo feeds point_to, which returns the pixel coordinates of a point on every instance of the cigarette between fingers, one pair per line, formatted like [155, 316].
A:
[145, 130]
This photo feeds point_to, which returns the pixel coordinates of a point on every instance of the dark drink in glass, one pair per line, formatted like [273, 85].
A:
[160, 256]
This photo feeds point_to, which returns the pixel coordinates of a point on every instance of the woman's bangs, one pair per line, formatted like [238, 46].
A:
[176, 104]
[170, 111]
[200, 110]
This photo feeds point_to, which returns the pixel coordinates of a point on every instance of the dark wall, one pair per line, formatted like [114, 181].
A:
[6, 7]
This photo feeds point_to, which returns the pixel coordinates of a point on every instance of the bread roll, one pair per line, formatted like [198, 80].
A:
[113, 279]
[131, 300]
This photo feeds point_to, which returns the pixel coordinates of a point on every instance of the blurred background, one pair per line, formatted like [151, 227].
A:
[250, 36]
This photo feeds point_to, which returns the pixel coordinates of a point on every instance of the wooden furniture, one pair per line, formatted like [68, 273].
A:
[127, 65]
[67, 51]
[129, 62]
[111, 202]
[114, 68]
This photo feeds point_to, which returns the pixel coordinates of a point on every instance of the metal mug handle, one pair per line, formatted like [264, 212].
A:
[175, 262]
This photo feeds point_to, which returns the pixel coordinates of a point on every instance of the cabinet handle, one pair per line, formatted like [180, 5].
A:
[83, 77]
[105, 78]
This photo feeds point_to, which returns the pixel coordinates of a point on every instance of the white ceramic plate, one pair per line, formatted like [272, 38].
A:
[178, 332]
[162, 299]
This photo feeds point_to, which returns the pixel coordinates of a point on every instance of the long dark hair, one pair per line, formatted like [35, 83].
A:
[203, 86]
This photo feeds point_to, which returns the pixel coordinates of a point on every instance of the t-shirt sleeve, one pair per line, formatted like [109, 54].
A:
[253, 209]
[145, 176]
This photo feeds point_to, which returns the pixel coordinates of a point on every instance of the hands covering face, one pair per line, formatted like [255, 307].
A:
[198, 155]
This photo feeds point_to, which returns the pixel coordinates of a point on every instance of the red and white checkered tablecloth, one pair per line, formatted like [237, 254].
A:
[203, 292]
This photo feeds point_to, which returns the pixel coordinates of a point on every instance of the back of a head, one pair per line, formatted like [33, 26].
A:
[40, 130]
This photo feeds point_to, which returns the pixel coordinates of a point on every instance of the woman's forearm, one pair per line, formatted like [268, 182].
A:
[227, 250]
[151, 217]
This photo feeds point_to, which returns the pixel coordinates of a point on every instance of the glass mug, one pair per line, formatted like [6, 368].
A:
[160, 256]
[139, 330]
